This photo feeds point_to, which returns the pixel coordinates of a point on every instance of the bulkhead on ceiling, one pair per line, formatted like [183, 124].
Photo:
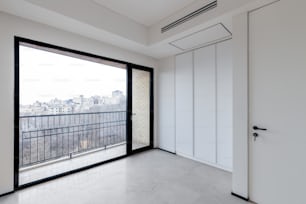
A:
[209, 35]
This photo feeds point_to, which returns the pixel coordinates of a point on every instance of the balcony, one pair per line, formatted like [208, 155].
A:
[54, 144]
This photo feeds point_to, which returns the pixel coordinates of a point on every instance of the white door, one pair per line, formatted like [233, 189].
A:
[277, 97]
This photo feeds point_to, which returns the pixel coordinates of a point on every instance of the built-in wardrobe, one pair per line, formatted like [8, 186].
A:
[203, 105]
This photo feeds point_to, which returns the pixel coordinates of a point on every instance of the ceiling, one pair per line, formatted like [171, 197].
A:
[143, 11]
[133, 25]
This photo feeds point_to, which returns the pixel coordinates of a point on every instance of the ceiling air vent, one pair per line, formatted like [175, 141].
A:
[190, 16]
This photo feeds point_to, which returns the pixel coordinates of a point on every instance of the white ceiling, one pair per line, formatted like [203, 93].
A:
[146, 12]
[112, 22]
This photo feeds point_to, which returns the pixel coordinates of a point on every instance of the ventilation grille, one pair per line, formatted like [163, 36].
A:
[190, 16]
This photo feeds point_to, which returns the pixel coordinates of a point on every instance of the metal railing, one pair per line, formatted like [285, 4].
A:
[48, 137]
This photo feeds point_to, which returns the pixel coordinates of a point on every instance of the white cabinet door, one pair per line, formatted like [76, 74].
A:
[166, 101]
[184, 104]
[224, 104]
[205, 104]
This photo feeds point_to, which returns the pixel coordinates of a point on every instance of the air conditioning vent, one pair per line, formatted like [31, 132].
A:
[190, 16]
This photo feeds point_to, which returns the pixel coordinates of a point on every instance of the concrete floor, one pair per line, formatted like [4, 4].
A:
[153, 177]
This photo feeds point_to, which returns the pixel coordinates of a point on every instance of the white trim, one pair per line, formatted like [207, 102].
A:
[205, 162]
[193, 105]
[216, 103]
[174, 89]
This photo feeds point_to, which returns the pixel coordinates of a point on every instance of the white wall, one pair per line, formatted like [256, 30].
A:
[166, 104]
[240, 105]
[11, 26]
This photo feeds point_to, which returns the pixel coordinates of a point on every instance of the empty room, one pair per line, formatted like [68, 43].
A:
[164, 101]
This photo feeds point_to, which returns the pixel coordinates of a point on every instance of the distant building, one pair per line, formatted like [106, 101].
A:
[117, 93]
[78, 104]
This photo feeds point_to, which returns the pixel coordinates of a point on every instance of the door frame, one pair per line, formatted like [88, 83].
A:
[129, 67]
[249, 125]
[241, 92]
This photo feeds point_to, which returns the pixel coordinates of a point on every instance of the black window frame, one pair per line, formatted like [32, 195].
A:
[129, 66]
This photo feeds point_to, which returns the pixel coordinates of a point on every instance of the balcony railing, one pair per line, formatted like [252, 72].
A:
[49, 137]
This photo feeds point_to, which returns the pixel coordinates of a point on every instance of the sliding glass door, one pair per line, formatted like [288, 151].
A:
[75, 110]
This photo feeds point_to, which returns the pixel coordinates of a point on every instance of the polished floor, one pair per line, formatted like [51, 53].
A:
[153, 177]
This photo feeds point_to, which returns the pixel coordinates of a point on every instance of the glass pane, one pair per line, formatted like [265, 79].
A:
[72, 112]
[141, 109]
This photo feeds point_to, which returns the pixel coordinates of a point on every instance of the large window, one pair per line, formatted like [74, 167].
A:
[72, 112]
[75, 110]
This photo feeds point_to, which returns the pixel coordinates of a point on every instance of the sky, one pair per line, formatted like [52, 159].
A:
[47, 75]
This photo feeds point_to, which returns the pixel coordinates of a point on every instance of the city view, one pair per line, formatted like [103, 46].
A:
[69, 106]
[63, 128]
[80, 104]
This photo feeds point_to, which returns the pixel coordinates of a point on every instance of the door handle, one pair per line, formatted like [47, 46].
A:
[257, 128]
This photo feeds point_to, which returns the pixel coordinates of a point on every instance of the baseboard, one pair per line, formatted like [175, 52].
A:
[7, 193]
[164, 150]
[239, 196]
[204, 162]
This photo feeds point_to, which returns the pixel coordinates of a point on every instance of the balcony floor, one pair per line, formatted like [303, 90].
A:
[63, 165]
